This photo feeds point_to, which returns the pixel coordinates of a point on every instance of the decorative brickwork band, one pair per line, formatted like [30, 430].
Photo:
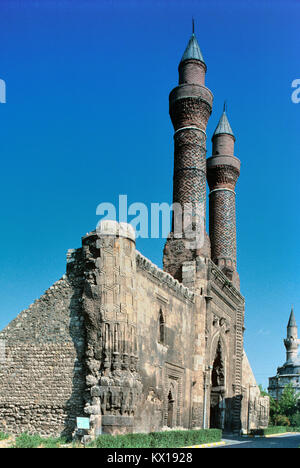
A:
[189, 168]
[222, 228]
[190, 127]
[221, 190]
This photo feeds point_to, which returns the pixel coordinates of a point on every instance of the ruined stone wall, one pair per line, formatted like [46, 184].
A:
[42, 376]
[255, 407]
[166, 335]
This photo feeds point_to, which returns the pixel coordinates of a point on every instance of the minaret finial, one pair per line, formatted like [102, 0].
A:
[224, 125]
[193, 21]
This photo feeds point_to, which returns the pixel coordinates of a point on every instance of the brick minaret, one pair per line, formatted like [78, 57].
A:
[190, 109]
[223, 170]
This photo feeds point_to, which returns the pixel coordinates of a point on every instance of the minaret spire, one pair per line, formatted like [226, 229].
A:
[292, 320]
[193, 52]
[292, 342]
[223, 126]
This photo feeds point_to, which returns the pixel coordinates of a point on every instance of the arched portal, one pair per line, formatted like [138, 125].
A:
[161, 327]
[217, 406]
[170, 409]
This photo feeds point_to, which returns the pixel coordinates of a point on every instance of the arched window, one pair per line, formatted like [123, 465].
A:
[161, 328]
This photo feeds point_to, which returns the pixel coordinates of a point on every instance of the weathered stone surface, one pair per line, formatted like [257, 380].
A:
[255, 407]
[42, 377]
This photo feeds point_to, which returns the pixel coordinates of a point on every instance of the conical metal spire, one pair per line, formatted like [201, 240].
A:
[223, 125]
[193, 50]
[292, 320]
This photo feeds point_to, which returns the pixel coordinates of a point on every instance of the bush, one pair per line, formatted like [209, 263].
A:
[294, 429]
[282, 420]
[295, 420]
[167, 439]
[274, 430]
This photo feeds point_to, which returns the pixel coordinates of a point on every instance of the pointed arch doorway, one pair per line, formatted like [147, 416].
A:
[217, 402]
[171, 402]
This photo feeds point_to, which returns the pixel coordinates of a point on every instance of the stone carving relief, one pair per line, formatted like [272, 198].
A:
[113, 382]
[221, 323]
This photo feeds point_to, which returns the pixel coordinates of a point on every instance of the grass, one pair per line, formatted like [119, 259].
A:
[34, 441]
[167, 439]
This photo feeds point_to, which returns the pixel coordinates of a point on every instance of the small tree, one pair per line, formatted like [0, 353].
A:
[288, 401]
[263, 392]
[274, 411]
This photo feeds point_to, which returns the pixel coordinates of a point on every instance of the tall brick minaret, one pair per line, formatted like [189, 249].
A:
[190, 109]
[223, 170]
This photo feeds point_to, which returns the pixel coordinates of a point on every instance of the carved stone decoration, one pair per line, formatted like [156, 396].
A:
[215, 320]
[173, 395]
[112, 380]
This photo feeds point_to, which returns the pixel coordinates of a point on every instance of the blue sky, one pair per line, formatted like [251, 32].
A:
[86, 119]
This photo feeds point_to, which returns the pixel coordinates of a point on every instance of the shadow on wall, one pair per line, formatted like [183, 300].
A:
[225, 413]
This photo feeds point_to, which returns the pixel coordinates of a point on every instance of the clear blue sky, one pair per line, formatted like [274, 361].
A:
[86, 119]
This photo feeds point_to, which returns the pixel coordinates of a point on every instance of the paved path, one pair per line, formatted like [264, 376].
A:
[285, 441]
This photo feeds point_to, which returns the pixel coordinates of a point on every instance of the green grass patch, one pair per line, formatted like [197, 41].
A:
[167, 439]
[3, 436]
[34, 441]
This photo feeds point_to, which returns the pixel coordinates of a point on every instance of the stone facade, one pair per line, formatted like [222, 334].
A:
[289, 373]
[131, 346]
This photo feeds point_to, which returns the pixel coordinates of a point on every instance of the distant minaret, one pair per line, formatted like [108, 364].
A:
[190, 109]
[223, 170]
[292, 342]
